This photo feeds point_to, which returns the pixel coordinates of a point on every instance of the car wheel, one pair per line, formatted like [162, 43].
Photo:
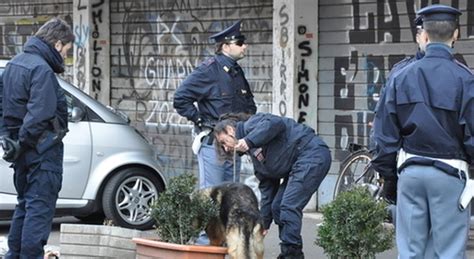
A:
[128, 197]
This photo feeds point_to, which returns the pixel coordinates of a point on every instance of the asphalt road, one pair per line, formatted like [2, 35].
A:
[272, 248]
[308, 233]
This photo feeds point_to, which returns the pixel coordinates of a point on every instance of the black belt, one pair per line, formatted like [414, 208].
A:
[210, 138]
[452, 171]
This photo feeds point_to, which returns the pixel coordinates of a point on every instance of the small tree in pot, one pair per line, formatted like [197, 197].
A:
[180, 213]
[353, 226]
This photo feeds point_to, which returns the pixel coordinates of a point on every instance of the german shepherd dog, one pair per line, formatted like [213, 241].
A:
[239, 223]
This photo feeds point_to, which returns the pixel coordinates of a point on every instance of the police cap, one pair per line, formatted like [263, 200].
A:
[229, 34]
[438, 12]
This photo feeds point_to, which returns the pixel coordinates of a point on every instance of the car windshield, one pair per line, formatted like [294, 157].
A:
[86, 96]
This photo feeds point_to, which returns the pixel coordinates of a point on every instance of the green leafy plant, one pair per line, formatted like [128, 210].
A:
[353, 226]
[181, 213]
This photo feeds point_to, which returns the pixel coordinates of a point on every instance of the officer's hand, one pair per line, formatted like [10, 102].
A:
[389, 191]
[241, 146]
[11, 148]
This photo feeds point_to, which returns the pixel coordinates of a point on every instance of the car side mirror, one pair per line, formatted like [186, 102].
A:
[76, 114]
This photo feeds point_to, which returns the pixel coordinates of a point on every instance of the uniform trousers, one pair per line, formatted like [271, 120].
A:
[307, 173]
[427, 208]
[37, 191]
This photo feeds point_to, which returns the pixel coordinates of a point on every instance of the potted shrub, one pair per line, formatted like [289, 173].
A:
[353, 226]
[180, 215]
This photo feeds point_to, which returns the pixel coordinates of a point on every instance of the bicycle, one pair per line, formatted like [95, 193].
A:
[357, 170]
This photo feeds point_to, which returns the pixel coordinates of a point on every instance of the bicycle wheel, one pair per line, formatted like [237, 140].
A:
[356, 170]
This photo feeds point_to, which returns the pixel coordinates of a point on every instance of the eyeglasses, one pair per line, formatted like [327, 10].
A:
[239, 43]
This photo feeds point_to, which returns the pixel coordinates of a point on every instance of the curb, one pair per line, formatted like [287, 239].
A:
[319, 217]
[313, 215]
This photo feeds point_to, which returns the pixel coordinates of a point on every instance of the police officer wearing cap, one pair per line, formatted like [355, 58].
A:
[218, 86]
[420, 53]
[424, 132]
[389, 191]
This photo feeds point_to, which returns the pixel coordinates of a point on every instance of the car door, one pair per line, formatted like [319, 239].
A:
[6, 172]
[6, 176]
[77, 152]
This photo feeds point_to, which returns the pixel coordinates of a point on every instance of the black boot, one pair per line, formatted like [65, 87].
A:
[291, 252]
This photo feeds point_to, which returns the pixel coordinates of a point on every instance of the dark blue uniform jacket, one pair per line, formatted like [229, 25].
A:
[428, 110]
[395, 69]
[32, 98]
[274, 143]
[405, 62]
[218, 86]
[3, 129]
[398, 67]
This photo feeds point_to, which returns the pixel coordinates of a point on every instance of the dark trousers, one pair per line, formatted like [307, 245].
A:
[31, 224]
[309, 170]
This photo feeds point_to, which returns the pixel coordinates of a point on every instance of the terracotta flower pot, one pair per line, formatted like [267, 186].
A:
[152, 248]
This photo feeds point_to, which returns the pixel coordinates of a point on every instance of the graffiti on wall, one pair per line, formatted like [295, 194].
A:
[20, 20]
[34, 9]
[359, 77]
[282, 98]
[303, 75]
[16, 33]
[160, 43]
[97, 50]
[91, 48]
[81, 30]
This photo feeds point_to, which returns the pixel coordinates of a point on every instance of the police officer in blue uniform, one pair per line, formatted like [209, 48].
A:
[35, 117]
[281, 149]
[389, 191]
[424, 131]
[218, 86]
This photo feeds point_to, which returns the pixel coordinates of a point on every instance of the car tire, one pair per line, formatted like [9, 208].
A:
[128, 197]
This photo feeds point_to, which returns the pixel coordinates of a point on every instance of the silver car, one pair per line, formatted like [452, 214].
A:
[109, 167]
